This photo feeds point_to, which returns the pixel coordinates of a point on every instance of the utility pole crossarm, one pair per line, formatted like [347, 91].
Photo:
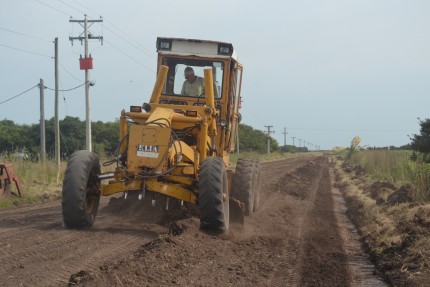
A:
[83, 21]
[90, 37]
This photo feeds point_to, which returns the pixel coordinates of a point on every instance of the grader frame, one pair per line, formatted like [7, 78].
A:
[178, 146]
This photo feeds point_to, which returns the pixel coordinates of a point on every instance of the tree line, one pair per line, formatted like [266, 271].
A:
[16, 138]
[22, 138]
[420, 143]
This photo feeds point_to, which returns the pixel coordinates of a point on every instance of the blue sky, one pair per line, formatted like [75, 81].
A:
[325, 70]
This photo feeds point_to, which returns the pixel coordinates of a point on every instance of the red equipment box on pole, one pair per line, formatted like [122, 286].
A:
[86, 63]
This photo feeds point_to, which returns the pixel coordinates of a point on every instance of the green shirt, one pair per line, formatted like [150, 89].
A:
[194, 89]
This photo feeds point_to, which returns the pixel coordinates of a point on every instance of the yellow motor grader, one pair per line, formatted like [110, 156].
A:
[177, 145]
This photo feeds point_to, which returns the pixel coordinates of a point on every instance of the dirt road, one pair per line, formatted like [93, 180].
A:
[298, 237]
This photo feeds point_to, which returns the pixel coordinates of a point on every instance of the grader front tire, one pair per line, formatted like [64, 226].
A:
[80, 195]
[213, 196]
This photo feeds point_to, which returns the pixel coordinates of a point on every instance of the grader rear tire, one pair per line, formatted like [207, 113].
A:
[243, 184]
[81, 195]
[213, 196]
[256, 184]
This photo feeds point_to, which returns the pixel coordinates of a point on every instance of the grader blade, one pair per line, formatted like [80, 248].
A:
[7, 176]
[236, 211]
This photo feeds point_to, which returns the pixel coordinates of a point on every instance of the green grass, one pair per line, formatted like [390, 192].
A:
[39, 181]
[396, 167]
[42, 182]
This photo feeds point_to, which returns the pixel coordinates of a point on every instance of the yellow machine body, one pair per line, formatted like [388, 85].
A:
[148, 145]
[162, 147]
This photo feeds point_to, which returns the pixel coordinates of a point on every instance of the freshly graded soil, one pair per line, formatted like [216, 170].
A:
[296, 238]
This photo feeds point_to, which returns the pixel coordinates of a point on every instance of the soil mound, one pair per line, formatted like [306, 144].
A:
[297, 183]
[380, 191]
[402, 195]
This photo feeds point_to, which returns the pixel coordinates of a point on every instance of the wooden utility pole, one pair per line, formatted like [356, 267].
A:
[42, 121]
[293, 140]
[86, 35]
[57, 123]
[285, 137]
[268, 132]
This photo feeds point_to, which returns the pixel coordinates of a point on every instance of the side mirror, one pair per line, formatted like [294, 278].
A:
[239, 117]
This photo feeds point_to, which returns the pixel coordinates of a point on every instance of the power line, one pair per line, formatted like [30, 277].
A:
[139, 46]
[70, 74]
[56, 9]
[80, 11]
[83, 6]
[136, 44]
[19, 94]
[131, 43]
[25, 51]
[125, 54]
[26, 35]
[64, 98]
[119, 50]
[67, 90]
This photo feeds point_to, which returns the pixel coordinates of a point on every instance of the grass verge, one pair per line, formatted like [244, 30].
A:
[40, 182]
[396, 236]
[396, 167]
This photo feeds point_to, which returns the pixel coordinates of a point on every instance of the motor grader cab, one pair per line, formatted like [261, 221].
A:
[176, 145]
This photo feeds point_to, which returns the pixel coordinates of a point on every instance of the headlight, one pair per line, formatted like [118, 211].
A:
[225, 49]
[164, 44]
[146, 107]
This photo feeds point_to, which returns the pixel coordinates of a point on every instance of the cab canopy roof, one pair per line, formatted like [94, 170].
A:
[193, 47]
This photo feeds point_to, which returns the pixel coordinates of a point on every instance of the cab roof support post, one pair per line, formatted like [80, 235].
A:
[210, 98]
[159, 84]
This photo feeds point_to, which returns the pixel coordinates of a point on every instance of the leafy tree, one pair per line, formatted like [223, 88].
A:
[72, 135]
[421, 143]
[14, 137]
[251, 139]
[294, 149]
[105, 137]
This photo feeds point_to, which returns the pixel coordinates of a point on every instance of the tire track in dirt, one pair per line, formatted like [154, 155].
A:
[298, 204]
[362, 270]
[323, 255]
[276, 199]
[35, 250]
[302, 220]
[281, 218]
